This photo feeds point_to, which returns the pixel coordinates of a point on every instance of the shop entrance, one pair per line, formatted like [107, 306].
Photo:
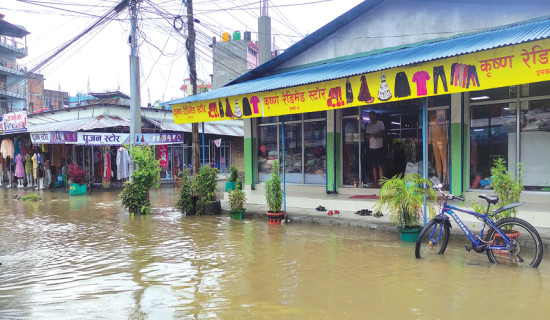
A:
[401, 146]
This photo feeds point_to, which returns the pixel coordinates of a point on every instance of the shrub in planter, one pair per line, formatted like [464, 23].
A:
[204, 187]
[237, 199]
[76, 174]
[273, 190]
[233, 179]
[185, 183]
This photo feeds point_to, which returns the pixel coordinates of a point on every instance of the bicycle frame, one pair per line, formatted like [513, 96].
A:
[476, 240]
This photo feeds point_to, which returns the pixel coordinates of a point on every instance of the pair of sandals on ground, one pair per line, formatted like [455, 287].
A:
[367, 212]
[330, 213]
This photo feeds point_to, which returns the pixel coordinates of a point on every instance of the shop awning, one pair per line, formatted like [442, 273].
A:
[98, 122]
[209, 128]
[304, 82]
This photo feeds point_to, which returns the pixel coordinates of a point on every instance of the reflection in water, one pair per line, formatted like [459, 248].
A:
[87, 256]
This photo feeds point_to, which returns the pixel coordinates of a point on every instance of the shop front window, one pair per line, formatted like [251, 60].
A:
[293, 153]
[315, 142]
[268, 150]
[492, 136]
[438, 146]
[535, 144]
[350, 150]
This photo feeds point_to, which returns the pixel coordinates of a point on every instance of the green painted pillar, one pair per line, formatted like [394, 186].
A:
[333, 151]
[250, 157]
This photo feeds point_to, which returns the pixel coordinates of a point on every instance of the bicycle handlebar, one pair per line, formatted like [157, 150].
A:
[447, 196]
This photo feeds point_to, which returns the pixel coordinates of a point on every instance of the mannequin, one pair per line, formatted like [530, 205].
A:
[19, 170]
[439, 141]
[35, 168]
[28, 169]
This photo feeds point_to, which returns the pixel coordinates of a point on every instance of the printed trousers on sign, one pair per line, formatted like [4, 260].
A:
[439, 72]
[472, 75]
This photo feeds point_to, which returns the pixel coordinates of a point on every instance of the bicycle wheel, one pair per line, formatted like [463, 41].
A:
[433, 239]
[526, 247]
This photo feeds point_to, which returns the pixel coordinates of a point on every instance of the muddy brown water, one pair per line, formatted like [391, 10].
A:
[86, 258]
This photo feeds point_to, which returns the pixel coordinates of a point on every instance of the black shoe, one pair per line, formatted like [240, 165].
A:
[320, 208]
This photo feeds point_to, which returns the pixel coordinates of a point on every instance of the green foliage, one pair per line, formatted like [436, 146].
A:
[204, 187]
[506, 187]
[237, 199]
[184, 204]
[31, 197]
[135, 194]
[273, 190]
[135, 198]
[404, 198]
[233, 174]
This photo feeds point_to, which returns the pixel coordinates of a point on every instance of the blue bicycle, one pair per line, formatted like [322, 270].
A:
[508, 240]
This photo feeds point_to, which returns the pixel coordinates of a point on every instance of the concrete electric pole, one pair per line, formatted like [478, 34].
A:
[135, 99]
[190, 44]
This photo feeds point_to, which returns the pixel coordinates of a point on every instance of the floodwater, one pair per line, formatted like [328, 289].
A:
[86, 258]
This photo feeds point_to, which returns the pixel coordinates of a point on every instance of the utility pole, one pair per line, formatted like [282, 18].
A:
[135, 100]
[190, 44]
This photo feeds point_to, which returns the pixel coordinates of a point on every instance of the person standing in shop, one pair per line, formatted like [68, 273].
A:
[375, 132]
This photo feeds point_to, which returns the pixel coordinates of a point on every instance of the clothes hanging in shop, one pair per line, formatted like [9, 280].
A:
[349, 92]
[107, 165]
[7, 148]
[247, 111]
[384, 92]
[19, 166]
[122, 163]
[402, 88]
[364, 94]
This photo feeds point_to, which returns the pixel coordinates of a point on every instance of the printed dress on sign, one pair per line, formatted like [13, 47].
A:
[220, 106]
[364, 94]
[228, 111]
[402, 88]
[384, 92]
[238, 112]
[247, 111]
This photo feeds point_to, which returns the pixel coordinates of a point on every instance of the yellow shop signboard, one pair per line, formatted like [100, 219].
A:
[512, 65]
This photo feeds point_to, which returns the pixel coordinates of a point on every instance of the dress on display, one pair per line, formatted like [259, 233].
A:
[19, 167]
[7, 148]
[364, 93]
[122, 163]
[28, 164]
[384, 93]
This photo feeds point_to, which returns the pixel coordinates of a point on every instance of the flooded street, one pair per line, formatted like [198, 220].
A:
[86, 258]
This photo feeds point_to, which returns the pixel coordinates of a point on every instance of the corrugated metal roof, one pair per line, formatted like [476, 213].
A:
[79, 124]
[209, 128]
[417, 53]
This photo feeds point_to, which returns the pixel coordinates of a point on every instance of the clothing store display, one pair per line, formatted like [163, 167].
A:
[228, 111]
[122, 163]
[7, 148]
[421, 77]
[255, 102]
[247, 111]
[19, 166]
[439, 72]
[384, 92]
[35, 164]
[238, 112]
[220, 106]
[349, 92]
[28, 164]
[401, 87]
[48, 176]
[364, 94]
[438, 138]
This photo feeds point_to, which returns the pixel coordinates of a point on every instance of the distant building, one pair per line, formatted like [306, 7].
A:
[41, 99]
[13, 84]
[233, 58]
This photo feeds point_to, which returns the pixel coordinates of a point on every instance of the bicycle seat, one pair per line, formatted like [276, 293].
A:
[490, 199]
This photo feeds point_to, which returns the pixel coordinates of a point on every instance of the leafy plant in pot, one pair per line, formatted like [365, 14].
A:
[508, 189]
[274, 196]
[404, 198]
[233, 179]
[237, 199]
[197, 195]
[77, 180]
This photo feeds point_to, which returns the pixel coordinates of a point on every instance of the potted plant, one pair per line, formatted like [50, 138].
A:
[404, 198]
[77, 180]
[233, 179]
[237, 199]
[274, 196]
[185, 184]
[198, 195]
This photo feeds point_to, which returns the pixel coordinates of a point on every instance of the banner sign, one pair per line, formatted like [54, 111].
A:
[102, 139]
[40, 138]
[1, 125]
[163, 155]
[14, 122]
[64, 137]
[158, 138]
[507, 66]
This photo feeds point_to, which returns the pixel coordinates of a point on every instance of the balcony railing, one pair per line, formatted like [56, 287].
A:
[13, 43]
[14, 90]
[12, 64]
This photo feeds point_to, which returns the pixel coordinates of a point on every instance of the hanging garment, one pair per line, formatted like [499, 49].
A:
[349, 92]
[7, 148]
[238, 112]
[364, 94]
[228, 112]
[19, 167]
[255, 102]
[384, 92]
[220, 106]
[122, 163]
[35, 164]
[402, 88]
[246, 107]
[28, 164]
[107, 165]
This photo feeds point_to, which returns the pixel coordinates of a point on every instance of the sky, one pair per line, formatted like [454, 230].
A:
[99, 61]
